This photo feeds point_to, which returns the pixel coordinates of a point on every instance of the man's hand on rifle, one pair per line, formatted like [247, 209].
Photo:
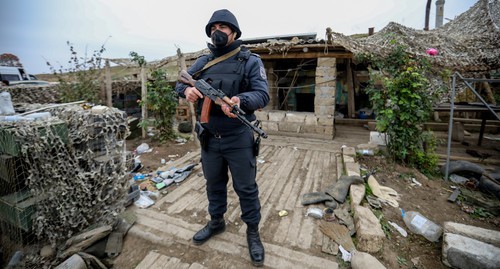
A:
[227, 109]
[192, 94]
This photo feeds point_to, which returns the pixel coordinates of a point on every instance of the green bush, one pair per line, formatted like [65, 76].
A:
[161, 101]
[402, 100]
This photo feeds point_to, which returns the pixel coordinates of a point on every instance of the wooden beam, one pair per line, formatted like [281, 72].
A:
[183, 66]
[109, 99]
[304, 55]
[144, 94]
[351, 109]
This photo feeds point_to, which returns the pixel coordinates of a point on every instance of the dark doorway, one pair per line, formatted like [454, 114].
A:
[305, 102]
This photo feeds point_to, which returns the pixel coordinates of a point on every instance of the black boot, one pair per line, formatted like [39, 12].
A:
[255, 246]
[213, 227]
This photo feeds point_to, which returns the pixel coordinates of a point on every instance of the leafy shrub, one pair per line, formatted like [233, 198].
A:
[80, 80]
[161, 101]
[402, 100]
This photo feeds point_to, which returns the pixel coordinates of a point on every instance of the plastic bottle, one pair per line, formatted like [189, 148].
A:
[419, 224]
[139, 177]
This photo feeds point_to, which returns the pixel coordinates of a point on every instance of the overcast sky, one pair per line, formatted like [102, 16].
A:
[35, 30]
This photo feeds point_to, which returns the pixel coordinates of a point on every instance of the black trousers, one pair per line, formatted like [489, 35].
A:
[234, 153]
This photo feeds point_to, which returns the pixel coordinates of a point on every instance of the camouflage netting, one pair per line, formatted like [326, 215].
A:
[33, 94]
[46, 94]
[76, 166]
[124, 86]
[469, 43]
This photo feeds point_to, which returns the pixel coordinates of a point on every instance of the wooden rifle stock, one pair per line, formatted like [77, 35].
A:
[218, 97]
[186, 78]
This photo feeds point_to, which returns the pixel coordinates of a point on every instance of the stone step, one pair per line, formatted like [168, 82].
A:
[165, 230]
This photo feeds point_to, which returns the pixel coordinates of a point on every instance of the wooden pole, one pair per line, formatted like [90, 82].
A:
[351, 109]
[427, 14]
[182, 65]
[144, 93]
[109, 94]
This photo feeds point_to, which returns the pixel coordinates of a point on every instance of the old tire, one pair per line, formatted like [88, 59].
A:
[185, 127]
[464, 168]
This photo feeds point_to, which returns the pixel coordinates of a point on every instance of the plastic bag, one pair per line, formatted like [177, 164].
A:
[144, 201]
[6, 106]
[142, 148]
[315, 212]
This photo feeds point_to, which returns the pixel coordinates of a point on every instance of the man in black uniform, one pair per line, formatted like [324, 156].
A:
[228, 144]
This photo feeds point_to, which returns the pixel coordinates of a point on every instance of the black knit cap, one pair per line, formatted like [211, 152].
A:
[223, 16]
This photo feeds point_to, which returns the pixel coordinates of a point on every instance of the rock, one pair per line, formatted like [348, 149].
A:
[369, 234]
[487, 236]
[464, 252]
[47, 251]
[363, 260]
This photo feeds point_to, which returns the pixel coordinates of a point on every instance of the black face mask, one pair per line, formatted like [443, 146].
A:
[219, 39]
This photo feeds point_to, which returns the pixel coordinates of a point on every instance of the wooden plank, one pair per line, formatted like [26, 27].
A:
[148, 261]
[290, 190]
[182, 203]
[470, 159]
[306, 187]
[109, 88]
[294, 228]
[306, 232]
[264, 180]
[196, 266]
[144, 94]
[306, 55]
[295, 196]
[339, 233]
[271, 192]
[282, 229]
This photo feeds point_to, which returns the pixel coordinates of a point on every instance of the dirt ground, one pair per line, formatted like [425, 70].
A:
[414, 251]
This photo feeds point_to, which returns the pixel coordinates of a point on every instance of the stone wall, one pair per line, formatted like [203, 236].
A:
[305, 124]
[317, 124]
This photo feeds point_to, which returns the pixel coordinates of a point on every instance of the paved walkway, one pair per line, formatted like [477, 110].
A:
[288, 168]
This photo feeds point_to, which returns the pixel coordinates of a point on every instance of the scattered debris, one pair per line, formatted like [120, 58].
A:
[143, 148]
[338, 233]
[398, 228]
[383, 193]
[340, 189]
[315, 197]
[283, 213]
[415, 182]
[315, 212]
[453, 197]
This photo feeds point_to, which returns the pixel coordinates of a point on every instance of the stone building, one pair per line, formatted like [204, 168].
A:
[314, 81]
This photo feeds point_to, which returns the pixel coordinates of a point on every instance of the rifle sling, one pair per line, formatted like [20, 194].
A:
[207, 103]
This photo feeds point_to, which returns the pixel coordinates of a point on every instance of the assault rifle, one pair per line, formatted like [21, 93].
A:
[219, 98]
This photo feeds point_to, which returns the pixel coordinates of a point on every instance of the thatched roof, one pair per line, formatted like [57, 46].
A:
[469, 43]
